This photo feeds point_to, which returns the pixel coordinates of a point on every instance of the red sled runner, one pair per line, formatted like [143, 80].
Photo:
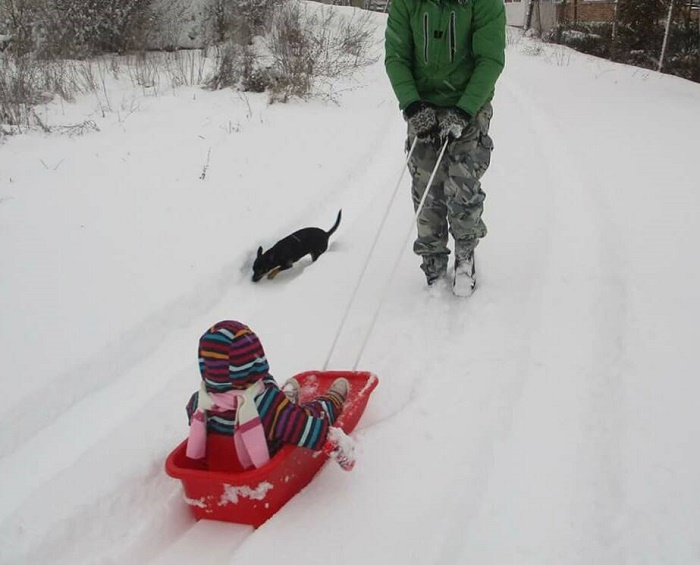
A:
[218, 488]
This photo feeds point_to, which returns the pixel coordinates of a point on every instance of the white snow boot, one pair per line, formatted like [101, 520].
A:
[465, 276]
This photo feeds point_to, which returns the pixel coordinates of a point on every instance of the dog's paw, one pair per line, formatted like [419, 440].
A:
[273, 273]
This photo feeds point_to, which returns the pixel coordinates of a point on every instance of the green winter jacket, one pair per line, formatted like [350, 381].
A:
[448, 52]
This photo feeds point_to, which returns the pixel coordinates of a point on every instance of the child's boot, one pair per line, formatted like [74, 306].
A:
[341, 388]
[291, 390]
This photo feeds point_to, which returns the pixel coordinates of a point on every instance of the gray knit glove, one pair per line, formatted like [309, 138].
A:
[422, 119]
[453, 124]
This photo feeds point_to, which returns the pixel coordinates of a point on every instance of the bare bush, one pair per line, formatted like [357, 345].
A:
[26, 81]
[18, 18]
[186, 68]
[514, 36]
[558, 55]
[66, 28]
[239, 21]
[17, 92]
[310, 44]
[175, 25]
[240, 67]
[284, 47]
[300, 46]
[75, 130]
[228, 64]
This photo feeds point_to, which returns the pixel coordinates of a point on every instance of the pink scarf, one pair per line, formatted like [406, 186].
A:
[249, 436]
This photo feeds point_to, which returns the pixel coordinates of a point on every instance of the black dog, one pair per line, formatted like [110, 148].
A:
[283, 254]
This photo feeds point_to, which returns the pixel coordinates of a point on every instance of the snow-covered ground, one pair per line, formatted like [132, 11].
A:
[552, 418]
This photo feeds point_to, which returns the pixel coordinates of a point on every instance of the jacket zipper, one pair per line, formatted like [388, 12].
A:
[426, 32]
[453, 36]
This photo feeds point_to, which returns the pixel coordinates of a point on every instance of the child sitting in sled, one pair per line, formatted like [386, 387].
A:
[238, 397]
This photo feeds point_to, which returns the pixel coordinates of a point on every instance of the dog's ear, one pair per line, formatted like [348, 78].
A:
[260, 251]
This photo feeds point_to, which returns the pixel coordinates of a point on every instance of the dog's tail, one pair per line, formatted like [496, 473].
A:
[337, 223]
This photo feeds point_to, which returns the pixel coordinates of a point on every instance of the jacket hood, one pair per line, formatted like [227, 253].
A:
[231, 357]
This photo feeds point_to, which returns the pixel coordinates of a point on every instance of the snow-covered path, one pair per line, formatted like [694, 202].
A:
[550, 418]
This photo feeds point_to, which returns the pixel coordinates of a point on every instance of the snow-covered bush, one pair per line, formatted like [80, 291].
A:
[639, 36]
[307, 45]
[65, 28]
[240, 20]
[291, 48]
[593, 38]
[241, 67]
[284, 47]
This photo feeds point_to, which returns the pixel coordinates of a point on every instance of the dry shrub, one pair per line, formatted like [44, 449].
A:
[66, 28]
[26, 81]
[306, 45]
[239, 21]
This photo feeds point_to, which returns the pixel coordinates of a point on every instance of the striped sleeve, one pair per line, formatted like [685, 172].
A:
[305, 425]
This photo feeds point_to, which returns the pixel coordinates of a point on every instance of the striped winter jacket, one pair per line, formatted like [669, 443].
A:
[305, 425]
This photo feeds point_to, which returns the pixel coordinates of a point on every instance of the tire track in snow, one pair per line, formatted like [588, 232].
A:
[148, 391]
[367, 181]
[512, 263]
[560, 456]
[127, 351]
[181, 533]
[111, 377]
[485, 395]
[120, 375]
[99, 490]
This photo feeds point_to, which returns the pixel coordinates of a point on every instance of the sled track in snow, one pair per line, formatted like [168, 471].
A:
[587, 388]
[112, 376]
[571, 355]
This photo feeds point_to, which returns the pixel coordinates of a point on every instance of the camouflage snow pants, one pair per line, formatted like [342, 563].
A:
[455, 200]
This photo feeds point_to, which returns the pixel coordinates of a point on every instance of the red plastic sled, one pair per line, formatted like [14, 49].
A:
[219, 489]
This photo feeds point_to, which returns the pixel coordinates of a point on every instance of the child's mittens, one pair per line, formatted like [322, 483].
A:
[341, 448]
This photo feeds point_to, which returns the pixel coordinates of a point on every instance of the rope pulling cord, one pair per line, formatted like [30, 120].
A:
[396, 263]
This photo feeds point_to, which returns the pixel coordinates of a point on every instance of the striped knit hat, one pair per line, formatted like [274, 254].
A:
[231, 357]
